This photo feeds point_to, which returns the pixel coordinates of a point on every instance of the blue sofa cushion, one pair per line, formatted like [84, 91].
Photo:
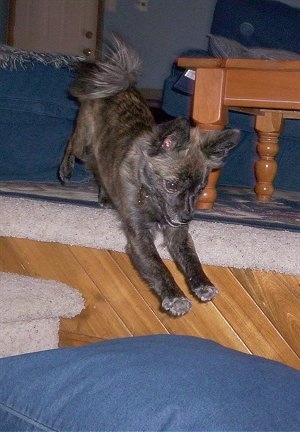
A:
[239, 165]
[37, 117]
[150, 383]
[258, 23]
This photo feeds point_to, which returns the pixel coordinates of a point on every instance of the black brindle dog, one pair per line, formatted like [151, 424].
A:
[152, 174]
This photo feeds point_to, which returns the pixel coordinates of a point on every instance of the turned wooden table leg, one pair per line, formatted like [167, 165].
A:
[209, 113]
[208, 196]
[268, 127]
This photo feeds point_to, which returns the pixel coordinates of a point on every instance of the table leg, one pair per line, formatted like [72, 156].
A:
[268, 127]
[208, 196]
[209, 113]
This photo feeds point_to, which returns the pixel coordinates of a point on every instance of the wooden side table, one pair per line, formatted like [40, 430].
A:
[269, 89]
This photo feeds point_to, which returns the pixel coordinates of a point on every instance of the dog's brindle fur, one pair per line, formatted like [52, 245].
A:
[151, 173]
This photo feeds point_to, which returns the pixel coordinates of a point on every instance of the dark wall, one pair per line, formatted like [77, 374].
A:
[3, 20]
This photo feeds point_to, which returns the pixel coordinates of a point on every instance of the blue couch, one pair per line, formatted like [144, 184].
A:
[247, 28]
[37, 115]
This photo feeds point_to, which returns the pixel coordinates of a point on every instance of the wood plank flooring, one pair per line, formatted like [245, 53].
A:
[255, 312]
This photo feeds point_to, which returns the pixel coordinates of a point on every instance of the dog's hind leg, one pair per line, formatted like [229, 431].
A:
[79, 146]
[103, 199]
[80, 143]
[67, 164]
[182, 250]
[151, 267]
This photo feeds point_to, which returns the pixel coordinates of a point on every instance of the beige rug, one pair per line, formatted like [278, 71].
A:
[30, 309]
[216, 243]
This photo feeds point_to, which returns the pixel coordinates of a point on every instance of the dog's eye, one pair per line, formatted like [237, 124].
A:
[171, 185]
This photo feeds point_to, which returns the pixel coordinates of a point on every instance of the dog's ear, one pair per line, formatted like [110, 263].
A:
[216, 144]
[170, 136]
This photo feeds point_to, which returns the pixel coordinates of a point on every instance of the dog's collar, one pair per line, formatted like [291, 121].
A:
[142, 195]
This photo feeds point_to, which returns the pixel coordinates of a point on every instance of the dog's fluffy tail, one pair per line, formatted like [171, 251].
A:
[118, 71]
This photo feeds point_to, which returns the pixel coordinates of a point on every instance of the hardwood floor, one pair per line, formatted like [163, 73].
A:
[255, 312]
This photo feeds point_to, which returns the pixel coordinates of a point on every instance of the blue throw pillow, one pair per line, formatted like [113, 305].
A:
[162, 382]
[258, 23]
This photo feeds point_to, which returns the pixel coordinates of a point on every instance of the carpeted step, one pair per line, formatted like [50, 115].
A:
[30, 309]
[216, 243]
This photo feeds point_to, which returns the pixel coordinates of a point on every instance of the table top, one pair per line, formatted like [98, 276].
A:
[236, 63]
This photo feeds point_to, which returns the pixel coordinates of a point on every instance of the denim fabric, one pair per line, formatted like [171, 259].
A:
[258, 23]
[37, 117]
[160, 382]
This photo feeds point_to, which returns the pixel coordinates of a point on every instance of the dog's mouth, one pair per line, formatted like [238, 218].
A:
[173, 223]
[172, 218]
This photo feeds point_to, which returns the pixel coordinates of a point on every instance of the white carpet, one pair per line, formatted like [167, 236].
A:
[30, 309]
[216, 243]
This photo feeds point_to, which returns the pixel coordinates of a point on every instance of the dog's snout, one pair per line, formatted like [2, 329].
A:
[186, 217]
[187, 212]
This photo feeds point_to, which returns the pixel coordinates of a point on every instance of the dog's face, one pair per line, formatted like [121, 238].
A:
[179, 160]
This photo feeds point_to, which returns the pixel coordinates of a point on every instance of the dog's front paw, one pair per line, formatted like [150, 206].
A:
[206, 293]
[176, 306]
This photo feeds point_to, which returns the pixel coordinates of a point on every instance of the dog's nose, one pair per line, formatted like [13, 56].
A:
[185, 218]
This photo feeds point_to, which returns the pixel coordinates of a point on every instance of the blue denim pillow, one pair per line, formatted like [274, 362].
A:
[258, 23]
[150, 383]
[37, 117]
